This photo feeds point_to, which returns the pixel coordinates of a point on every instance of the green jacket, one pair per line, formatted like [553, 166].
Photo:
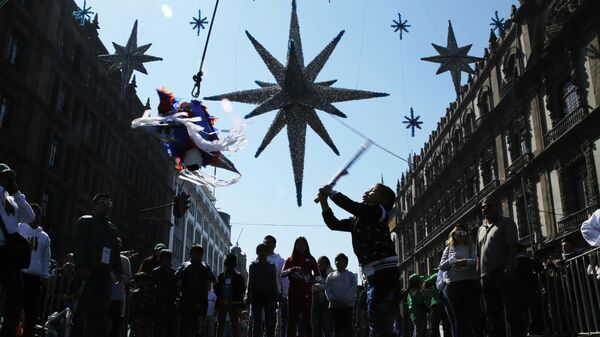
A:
[430, 281]
[417, 307]
[90, 237]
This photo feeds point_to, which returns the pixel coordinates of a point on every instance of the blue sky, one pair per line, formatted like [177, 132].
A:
[370, 56]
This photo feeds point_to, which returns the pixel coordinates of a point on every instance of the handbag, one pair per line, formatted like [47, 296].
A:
[18, 248]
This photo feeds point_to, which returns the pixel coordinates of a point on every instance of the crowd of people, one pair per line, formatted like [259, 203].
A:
[485, 285]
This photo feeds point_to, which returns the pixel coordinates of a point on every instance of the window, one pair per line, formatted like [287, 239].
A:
[483, 102]
[570, 99]
[580, 187]
[13, 50]
[4, 106]
[53, 152]
[61, 100]
[45, 202]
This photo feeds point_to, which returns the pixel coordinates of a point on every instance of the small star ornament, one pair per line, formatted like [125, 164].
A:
[499, 24]
[83, 14]
[296, 95]
[129, 58]
[400, 26]
[453, 59]
[412, 122]
[199, 23]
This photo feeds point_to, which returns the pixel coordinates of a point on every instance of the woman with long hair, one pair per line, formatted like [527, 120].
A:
[303, 271]
[464, 293]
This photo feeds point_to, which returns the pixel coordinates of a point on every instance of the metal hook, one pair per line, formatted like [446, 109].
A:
[197, 80]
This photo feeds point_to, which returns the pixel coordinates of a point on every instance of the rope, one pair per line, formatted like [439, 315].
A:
[369, 139]
[198, 77]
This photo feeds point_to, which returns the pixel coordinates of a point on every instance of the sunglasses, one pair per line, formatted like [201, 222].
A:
[106, 203]
[460, 233]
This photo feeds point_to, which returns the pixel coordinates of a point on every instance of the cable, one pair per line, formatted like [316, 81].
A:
[198, 77]
[271, 224]
[369, 139]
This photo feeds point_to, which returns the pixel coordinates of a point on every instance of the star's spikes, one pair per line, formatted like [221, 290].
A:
[316, 65]
[335, 95]
[297, 144]
[278, 123]
[400, 25]
[295, 33]
[253, 96]
[83, 14]
[275, 102]
[198, 22]
[315, 123]
[275, 67]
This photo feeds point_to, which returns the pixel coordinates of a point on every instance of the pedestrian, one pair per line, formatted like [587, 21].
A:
[195, 277]
[438, 311]
[417, 305]
[96, 256]
[340, 288]
[141, 320]
[302, 270]
[164, 285]
[373, 247]
[262, 293]
[152, 262]
[569, 249]
[590, 229]
[283, 284]
[38, 271]
[459, 262]
[321, 317]
[14, 209]
[528, 294]
[497, 248]
[230, 289]
[117, 296]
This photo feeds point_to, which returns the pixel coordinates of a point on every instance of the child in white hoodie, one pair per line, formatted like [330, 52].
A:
[38, 271]
[340, 288]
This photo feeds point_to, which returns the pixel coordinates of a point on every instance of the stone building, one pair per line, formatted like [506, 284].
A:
[202, 224]
[65, 129]
[525, 129]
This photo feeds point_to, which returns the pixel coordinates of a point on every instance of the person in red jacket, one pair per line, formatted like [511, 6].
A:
[303, 271]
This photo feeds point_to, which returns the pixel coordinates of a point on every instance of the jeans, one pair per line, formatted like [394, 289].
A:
[11, 284]
[420, 327]
[499, 296]
[439, 315]
[116, 318]
[91, 312]
[321, 318]
[300, 304]
[31, 302]
[282, 317]
[465, 300]
[267, 304]
[342, 321]
[382, 301]
[234, 319]
[192, 315]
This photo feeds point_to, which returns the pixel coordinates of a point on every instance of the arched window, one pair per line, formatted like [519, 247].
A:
[569, 98]
[484, 101]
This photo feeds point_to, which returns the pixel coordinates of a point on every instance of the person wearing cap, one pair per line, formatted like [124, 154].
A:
[97, 259]
[417, 305]
[152, 262]
[14, 209]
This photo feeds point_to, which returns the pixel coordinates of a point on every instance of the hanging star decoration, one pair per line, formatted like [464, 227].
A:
[453, 59]
[400, 25]
[129, 58]
[499, 24]
[83, 14]
[412, 122]
[296, 95]
[199, 23]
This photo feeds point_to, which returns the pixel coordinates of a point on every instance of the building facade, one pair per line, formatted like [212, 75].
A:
[65, 127]
[525, 129]
[202, 224]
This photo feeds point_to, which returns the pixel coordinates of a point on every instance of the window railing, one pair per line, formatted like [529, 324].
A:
[574, 220]
[519, 164]
[565, 125]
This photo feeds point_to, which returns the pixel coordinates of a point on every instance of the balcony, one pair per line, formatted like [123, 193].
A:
[488, 188]
[565, 125]
[574, 220]
[519, 164]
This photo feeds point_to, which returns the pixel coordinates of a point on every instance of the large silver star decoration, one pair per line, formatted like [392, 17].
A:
[453, 59]
[296, 95]
[83, 14]
[129, 58]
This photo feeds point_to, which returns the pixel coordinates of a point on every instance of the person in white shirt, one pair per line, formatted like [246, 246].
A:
[117, 296]
[590, 229]
[38, 271]
[209, 327]
[14, 209]
[283, 283]
[340, 289]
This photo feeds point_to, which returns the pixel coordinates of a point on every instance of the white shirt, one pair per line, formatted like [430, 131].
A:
[40, 250]
[283, 283]
[22, 212]
[590, 229]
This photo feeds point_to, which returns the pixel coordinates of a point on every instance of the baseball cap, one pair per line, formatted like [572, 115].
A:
[5, 169]
[160, 246]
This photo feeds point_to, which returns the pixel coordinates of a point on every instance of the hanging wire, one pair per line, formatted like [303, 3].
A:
[362, 43]
[198, 77]
[369, 139]
[431, 18]
[271, 224]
